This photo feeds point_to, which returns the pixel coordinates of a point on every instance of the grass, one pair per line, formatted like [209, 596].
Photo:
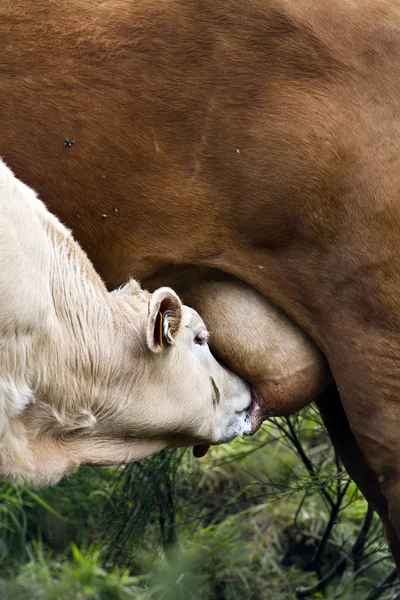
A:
[246, 518]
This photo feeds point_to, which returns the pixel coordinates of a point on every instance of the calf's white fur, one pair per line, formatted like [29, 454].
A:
[92, 377]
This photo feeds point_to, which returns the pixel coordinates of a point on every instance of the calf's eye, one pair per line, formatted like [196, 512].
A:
[199, 339]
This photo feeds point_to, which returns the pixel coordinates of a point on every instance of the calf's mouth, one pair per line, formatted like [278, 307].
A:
[254, 415]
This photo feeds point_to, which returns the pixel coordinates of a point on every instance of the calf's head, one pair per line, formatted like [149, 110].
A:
[137, 379]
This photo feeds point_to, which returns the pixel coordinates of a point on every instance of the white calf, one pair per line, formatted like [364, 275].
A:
[91, 377]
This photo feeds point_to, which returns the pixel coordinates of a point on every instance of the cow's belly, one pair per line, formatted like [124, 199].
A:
[249, 167]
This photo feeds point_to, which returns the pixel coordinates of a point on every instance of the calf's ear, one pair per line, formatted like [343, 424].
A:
[163, 318]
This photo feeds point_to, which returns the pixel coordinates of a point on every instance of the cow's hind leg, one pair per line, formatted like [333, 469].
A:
[337, 425]
[379, 445]
[367, 372]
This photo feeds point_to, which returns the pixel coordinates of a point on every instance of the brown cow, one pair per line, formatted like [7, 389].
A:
[256, 138]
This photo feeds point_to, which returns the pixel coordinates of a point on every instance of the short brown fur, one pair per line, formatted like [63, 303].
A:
[259, 138]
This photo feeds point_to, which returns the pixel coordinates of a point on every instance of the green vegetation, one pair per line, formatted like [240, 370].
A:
[255, 520]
